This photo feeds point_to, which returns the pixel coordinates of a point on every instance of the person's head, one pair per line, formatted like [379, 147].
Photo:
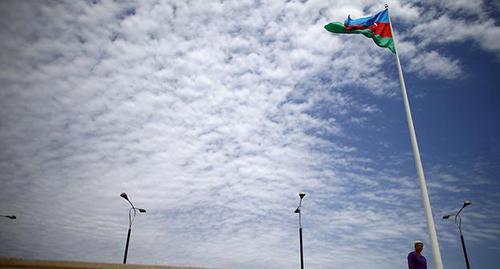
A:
[419, 245]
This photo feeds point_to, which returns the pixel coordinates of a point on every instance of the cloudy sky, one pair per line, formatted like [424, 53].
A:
[213, 115]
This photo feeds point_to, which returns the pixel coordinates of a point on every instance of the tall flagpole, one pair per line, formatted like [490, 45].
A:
[436, 254]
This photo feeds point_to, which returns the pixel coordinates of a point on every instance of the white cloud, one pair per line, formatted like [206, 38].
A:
[446, 30]
[432, 64]
[462, 6]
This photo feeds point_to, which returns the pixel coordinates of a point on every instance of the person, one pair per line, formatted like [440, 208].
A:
[415, 258]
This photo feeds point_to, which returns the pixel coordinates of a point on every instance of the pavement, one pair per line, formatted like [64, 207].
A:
[11, 263]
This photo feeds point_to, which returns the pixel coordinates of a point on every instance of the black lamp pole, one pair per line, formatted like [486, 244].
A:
[126, 246]
[458, 222]
[130, 221]
[299, 211]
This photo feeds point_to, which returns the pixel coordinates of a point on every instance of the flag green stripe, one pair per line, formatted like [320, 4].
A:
[385, 42]
[339, 28]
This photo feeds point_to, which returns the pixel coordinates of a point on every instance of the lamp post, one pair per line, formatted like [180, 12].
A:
[131, 218]
[458, 222]
[9, 217]
[299, 211]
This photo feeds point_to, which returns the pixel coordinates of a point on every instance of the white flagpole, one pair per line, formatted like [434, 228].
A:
[436, 254]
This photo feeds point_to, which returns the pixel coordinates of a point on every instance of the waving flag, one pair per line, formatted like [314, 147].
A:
[376, 27]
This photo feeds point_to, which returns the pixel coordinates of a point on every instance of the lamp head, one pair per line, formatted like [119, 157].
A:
[142, 210]
[467, 202]
[446, 216]
[124, 196]
[302, 194]
[297, 211]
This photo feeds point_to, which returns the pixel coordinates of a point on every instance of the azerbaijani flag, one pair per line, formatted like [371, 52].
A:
[376, 27]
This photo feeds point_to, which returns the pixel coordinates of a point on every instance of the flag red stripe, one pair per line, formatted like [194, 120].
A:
[380, 28]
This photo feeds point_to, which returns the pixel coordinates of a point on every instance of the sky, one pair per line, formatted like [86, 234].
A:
[214, 115]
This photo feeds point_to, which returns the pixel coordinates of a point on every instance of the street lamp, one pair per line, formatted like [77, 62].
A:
[131, 218]
[458, 222]
[299, 211]
[9, 217]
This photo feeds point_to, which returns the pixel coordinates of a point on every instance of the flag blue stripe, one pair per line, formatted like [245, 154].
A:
[382, 16]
